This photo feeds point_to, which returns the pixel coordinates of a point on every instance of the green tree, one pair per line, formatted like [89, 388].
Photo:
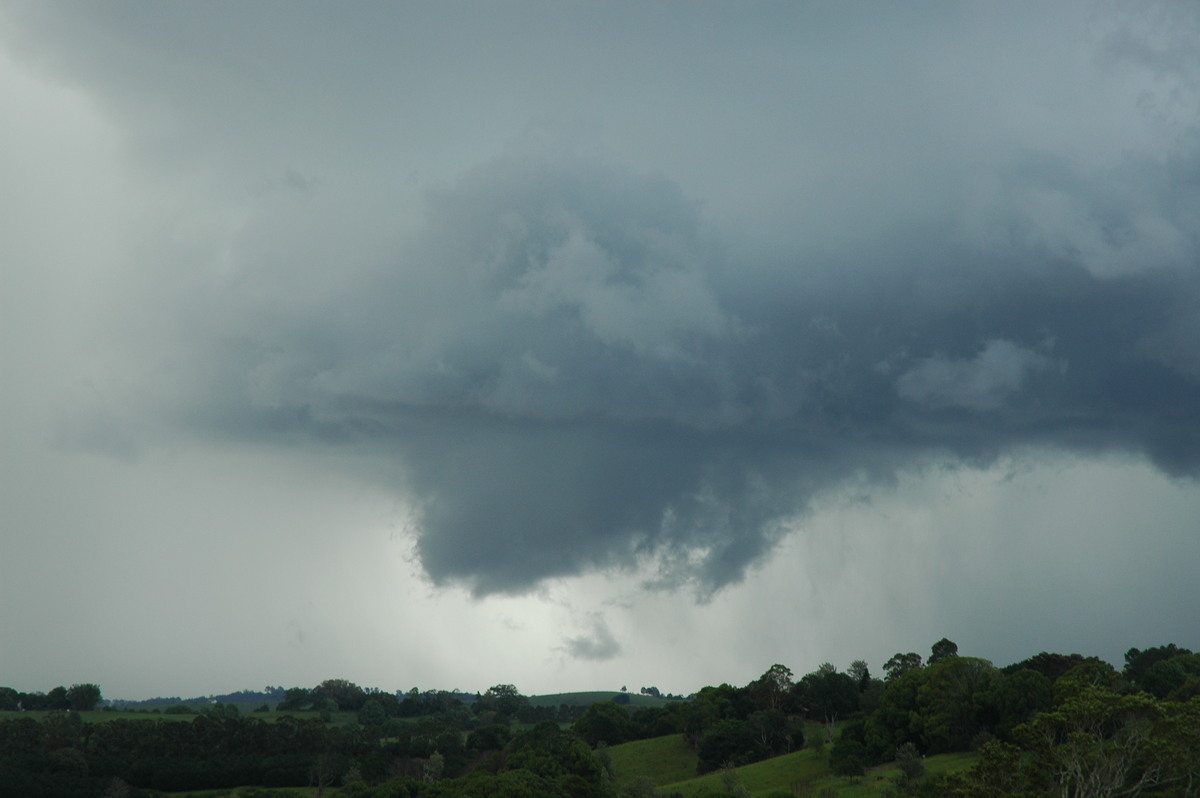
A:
[771, 690]
[1167, 675]
[1096, 744]
[604, 722]
[1016, 698]
[83, 697]
[1137, 662]
[774, 732]
[952, 703]
[58, 699]
[1086, 675]
[346, 695]
[372, 714]
[912, 769]
[502, 699]
[860, 673]
[1052, 666]
[942, 649]
[828, 696]
[1175, 746]
[295, 699]
[728, 742]
[901, 664]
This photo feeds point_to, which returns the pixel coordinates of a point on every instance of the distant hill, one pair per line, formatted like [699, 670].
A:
[270, 695]
[586, 699]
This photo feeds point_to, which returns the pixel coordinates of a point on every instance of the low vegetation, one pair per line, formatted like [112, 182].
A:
[951, 725]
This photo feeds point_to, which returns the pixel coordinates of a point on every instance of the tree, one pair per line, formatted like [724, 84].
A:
[1096, 744]
[83, 697]
[1052, 666]
[1137, 662]
[952, 703]
[1176, 746]
[942, 649]
[860, 673]
[346, 695]
[372, 713]
[1167, 675]
[604, 722]
[771, 690]
[901, 664]
[828, 696]
[774, 732]
[294, 700]
[912, 769]
[57, 699]
[848, 757]
[502, 699]
[728, 742]
[1017, 697]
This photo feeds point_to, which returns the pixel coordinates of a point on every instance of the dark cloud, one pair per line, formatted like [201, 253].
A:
[573, 372]
[573, 365]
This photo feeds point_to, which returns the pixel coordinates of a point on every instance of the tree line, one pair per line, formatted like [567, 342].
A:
[1052, 724]
[77, 697]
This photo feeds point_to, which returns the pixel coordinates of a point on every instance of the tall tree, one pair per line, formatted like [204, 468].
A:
[901, 664]
[83, 697]
[942, 649]
[772, 689]
[828, 696]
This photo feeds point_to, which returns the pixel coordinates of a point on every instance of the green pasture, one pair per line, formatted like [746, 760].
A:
[662, 760]
[586, 699]
[670, 765]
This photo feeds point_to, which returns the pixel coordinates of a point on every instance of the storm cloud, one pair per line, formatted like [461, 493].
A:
[632, 291]
[573, 370]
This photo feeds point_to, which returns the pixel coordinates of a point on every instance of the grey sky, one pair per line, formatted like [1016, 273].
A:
[606, 339]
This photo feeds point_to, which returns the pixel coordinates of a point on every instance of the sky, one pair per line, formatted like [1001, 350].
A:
[578, 345]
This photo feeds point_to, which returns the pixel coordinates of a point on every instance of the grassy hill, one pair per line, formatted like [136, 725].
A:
[662, 760]
[588, 698]
[670, 765]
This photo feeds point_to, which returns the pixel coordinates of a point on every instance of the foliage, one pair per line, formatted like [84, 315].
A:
[605, 722]
[942, 649]
[901, 664]
[83, 697]
[1094, 744]
[1066, 725]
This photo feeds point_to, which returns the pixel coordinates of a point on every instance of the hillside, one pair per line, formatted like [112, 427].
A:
[668, 764]
[586, 699]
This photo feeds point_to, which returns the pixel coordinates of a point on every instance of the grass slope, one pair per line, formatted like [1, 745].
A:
[671, 766]
[662, 760]
[593, 697]
[789, 773]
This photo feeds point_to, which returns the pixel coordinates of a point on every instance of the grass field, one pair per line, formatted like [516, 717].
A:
[789, 772]
[594, 697]
[662, 760]
[671, 766]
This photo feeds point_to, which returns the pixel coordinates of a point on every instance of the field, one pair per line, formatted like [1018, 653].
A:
[589, 698]
[671, 766]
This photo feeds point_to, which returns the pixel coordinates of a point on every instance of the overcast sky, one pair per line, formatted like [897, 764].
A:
[577, 345]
